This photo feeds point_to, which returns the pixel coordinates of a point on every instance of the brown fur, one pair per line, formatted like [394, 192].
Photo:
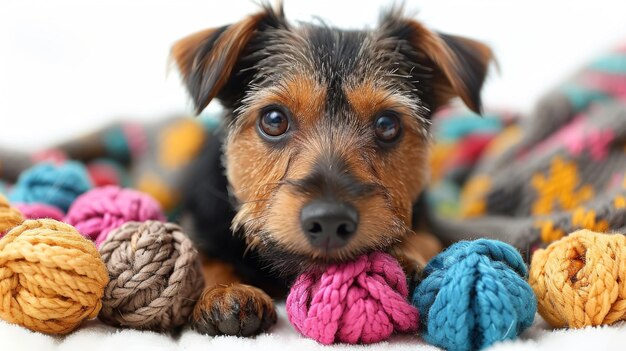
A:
[332, 85]
[216, 273]
[236, 309]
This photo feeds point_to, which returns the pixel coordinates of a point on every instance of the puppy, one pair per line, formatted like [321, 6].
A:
[324, 153]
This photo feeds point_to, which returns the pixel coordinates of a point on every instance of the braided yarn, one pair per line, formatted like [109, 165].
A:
[9, 216]
[580, 280]
[362, 301]
[51, 277]
[99, 211]
[474, 294]
[38, 210]
[56, 185]
[155, 274]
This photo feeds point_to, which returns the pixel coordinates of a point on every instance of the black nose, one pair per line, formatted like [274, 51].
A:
[328, 224]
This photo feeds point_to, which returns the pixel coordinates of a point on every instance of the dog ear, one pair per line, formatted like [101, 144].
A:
[458, 66]
[211, 61]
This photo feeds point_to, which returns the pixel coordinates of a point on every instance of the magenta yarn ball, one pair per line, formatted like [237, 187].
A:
[39, 210]
[100, 210]
[363, 301]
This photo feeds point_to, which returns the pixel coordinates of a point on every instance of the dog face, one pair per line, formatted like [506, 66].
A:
[328, 129]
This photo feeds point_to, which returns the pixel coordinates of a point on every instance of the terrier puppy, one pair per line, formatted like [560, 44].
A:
[325, 151]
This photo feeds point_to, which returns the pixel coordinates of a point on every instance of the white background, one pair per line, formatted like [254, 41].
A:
[67, 66]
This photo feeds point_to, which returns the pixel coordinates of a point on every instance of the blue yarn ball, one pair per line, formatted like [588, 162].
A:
[474, 294]
[56, 185]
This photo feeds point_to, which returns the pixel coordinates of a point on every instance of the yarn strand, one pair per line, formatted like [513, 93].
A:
[9, 216]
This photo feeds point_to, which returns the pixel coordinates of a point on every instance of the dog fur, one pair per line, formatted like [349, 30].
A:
[246, 191]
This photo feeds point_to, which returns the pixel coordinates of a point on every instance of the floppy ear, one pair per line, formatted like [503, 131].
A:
[210, 61]
[458, 66]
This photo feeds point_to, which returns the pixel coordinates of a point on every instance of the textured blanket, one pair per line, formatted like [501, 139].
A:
[96, 336]
[530, 181]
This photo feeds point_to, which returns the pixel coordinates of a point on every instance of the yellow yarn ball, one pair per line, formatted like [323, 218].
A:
[51, 277]
[9, 216]
[580, 280]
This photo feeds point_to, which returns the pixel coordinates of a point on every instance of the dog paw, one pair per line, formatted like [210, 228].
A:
[238, 309]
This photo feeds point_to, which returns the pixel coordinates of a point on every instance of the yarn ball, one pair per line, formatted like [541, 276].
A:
[105, 172]
[56, 185]
[56, 156]
[580, 280]
[37, 211]
[155, 275]
[51, 277]
[474, 294]
[9, 216]
[99, 211]
[362, 301]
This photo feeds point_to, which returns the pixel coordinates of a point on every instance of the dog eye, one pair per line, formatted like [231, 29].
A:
[273, 123]
[387, 128]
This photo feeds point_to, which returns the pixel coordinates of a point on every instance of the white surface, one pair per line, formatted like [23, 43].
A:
[67, 66]
[98, 337]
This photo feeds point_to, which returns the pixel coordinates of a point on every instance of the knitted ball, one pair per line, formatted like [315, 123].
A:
[362, 301]
[105, 172]
[9, 216]
[51, 277]
[99, 211]
[56, 156]
[37, 211]
[474, 294]
[155, 275]
[580, 280]
[56, 185]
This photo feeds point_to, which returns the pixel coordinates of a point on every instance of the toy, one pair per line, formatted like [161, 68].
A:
[105, 172]
[56, 185]
[580, 280]
[39, 210]
[155, 274]
[474, 294]
[355, 302]
[51, 277]
[101, 210]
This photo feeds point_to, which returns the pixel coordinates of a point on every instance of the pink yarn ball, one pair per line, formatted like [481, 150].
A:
[100, 210]
[39, 210]
[363, 301]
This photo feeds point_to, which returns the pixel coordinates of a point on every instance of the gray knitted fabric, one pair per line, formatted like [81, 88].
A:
[560, 169]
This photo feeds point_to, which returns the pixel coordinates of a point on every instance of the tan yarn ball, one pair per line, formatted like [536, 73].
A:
[580, 280]
[155, 276]
[51, 277]
[9, 216]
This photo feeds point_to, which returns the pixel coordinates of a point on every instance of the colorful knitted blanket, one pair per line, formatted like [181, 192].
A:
[526, 180]
[530, 180]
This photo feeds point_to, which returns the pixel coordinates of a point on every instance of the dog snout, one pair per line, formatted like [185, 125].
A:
[329, 224]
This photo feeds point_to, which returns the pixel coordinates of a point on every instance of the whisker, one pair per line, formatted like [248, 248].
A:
[251, 220]
[255, 201]
[259, 186]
